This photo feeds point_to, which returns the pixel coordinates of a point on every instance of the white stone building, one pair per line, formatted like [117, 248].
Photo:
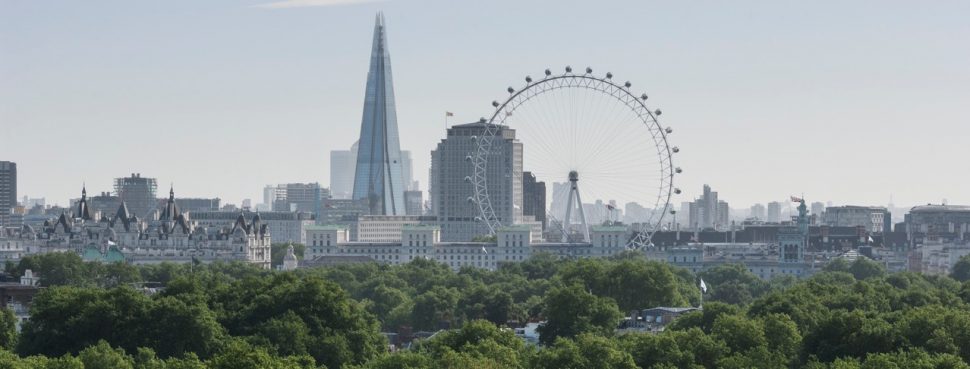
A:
[169, 237]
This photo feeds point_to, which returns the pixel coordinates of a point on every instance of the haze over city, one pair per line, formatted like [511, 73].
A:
[843, 102]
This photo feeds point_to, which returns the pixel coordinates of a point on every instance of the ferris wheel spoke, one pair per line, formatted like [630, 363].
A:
[597, 128]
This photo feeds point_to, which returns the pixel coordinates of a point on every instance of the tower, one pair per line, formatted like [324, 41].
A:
[574, 194]
[378, 178]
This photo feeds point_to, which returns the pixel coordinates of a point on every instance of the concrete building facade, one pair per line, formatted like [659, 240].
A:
[452, 191]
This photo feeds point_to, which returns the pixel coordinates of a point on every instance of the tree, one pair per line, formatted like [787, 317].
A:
[434, 307]
[103, 356]
[961, 270]
[733, 284]
[570, 311]
[8, 329]
[56, 269]
[338, 330]
[864, 268]
[68, 319]
[585, 352]
[278, 251]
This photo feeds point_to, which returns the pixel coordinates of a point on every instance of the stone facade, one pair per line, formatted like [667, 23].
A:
[170, 237]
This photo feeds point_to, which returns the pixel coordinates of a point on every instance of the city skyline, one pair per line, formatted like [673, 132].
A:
[786, 116]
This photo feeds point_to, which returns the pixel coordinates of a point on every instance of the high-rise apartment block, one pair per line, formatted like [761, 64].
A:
[452, 190]
[8, 190]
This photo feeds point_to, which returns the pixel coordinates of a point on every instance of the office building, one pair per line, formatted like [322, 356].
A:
[286, 226]
[708, 212]
[534, 198]
[757, 212]
[818, 209]
[199, 204]
[938, 224]
[873, 218]
[414, 202]
[302, 197]
[8, 190]
[378, 177]
[452, 191]
[774, 212]
[343, 163]
[138, 193]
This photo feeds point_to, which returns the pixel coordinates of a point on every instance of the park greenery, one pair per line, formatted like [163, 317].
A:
[232, 315]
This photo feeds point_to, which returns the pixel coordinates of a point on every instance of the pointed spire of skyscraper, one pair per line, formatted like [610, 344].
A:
[378, 178]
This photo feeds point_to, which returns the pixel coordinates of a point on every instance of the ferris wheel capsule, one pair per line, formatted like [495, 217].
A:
[482, 120]
[669, 130]
[474, 138]
[471, 200]
[678, 170]
[549, 158]
[657, 112]
[468, 158]
[672, 212]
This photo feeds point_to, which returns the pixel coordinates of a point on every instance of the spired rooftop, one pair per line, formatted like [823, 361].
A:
[378, 178]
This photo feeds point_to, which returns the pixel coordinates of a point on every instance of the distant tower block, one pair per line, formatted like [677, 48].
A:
[574, 194]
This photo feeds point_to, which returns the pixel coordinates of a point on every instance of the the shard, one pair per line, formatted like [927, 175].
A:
[378, 178]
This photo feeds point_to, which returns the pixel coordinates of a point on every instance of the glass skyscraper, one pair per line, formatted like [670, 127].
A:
[378, 178]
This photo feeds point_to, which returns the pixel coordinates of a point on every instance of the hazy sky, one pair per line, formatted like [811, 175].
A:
[844, 101]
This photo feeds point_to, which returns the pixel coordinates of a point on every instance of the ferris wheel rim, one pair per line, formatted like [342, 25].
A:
[588, 81]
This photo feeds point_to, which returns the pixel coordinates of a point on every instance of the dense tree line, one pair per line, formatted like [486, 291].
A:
[231, 315]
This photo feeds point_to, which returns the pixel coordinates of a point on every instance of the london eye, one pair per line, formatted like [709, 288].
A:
[603, 151]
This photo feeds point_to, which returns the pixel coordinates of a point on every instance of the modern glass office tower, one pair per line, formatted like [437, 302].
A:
[378, 178]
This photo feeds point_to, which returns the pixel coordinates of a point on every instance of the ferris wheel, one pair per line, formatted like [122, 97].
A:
[592, 140]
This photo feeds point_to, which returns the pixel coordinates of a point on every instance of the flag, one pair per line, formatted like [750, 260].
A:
[870, 239]
[703, 286]
[484, 250]
[795, 199]
[610, 207]
[449, 114]
[110, 243]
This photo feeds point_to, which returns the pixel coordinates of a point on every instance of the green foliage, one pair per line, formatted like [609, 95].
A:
[232, 315]
[8, 329]
[961, 270]
[278, 251]
[632, 283]
[68, 319]
[585, 352]
[733, 284]
[570, 311]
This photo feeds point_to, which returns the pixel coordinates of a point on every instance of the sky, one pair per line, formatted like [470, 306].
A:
[851, 102]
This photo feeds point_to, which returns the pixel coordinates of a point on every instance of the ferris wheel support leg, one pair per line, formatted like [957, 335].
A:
[567, 222]
[582, 214]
